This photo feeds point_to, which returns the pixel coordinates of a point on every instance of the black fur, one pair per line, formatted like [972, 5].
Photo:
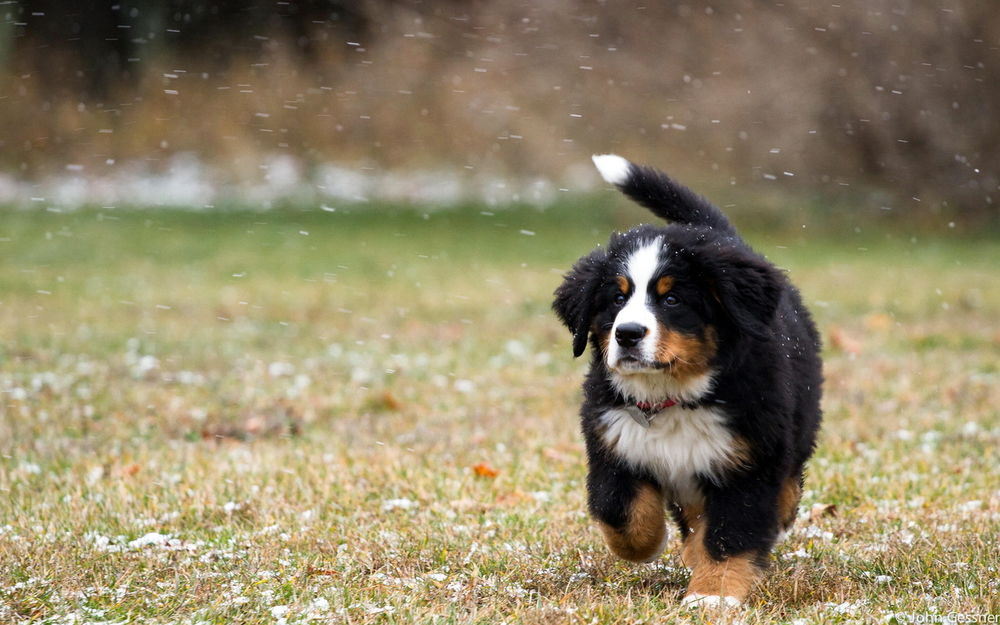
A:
[670, 201]
[767, 370]
[575, 297]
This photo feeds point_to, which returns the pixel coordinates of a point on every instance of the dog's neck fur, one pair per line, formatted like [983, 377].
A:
[656, 386]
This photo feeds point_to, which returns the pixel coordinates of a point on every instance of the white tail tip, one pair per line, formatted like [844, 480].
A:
[613, 168]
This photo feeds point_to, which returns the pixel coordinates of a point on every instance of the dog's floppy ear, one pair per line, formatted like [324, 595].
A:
[747, 286]
[574, 301]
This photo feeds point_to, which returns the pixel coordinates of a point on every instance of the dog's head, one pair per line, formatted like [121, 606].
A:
[662, 305]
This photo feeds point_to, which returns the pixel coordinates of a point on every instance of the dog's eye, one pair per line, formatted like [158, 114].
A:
[671, 300]
[620, 299]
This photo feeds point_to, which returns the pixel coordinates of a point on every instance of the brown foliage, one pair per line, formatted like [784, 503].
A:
[890, 94]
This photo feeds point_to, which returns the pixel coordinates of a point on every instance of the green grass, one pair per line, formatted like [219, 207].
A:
[298, 399]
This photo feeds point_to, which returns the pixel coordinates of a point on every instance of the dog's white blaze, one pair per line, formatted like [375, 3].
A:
[641, 268]
[613, 168]
[679, 445]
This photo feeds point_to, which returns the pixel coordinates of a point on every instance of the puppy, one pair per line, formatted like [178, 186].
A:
[703, 394]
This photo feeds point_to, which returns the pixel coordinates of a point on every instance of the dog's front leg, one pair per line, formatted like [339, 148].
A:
[629, 510]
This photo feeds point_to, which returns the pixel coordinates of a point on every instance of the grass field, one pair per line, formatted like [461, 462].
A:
[277, 418]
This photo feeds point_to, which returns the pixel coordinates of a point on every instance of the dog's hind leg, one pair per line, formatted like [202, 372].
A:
[788, 505]
[729, 548]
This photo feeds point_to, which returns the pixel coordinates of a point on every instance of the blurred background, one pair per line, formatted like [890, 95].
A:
[877, 106]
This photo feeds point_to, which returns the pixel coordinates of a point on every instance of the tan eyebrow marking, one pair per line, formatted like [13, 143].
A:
[623, 284]
[664, 284]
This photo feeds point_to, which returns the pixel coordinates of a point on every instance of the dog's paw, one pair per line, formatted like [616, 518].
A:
[696, 600]
[659, 549]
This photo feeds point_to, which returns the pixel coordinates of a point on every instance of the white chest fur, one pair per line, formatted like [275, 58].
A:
[679, 445]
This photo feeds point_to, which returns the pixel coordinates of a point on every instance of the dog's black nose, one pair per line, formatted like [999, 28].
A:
[629, 334]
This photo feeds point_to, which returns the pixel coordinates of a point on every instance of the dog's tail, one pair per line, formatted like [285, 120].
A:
[656, 191]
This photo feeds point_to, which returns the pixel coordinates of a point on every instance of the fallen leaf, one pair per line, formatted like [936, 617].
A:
[843, 341]
[485, 470]
[467, 504]
[554, 454]
[820, 510]
[878, 321]
[390, 401]
[512, 498]
[254, 425]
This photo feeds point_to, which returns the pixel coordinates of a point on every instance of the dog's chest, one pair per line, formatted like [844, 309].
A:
[679, 446]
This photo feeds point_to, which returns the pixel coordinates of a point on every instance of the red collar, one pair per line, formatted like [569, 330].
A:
[649, 408]
[643, 412]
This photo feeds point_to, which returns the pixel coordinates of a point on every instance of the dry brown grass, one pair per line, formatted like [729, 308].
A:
[298, 417]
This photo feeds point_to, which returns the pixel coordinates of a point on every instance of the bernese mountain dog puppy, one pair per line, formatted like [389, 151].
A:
[703, 395]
